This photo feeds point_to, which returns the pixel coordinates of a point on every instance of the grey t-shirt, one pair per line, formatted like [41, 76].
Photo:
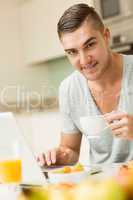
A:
[75, 100]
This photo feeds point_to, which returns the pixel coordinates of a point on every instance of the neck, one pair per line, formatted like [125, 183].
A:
[111, 75]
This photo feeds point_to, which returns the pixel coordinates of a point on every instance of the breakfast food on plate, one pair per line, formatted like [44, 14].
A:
[68, 174]
[77, 167]
[68, 169]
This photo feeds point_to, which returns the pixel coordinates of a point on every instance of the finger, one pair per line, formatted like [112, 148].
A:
[48, 158]
[115, 116]
[121, 131]
[53, 156]
[41, 160]
[118, 124]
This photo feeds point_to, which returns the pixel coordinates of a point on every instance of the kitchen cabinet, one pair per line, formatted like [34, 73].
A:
[38, 23]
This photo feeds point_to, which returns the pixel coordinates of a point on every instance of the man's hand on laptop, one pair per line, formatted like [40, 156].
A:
[58, 156]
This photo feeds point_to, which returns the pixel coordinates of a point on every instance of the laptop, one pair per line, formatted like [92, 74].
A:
[10, 132]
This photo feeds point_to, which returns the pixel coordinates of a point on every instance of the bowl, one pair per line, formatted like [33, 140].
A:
[72, 177]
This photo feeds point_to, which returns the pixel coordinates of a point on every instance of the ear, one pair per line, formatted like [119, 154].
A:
[106, 34]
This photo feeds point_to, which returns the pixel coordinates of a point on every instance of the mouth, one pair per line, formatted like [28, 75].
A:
[89, 66]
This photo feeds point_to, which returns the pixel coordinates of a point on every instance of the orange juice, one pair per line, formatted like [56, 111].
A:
[10, 171]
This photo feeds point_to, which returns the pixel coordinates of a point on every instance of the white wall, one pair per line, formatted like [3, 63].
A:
[13, 70]
[11, 58]
[39, 28]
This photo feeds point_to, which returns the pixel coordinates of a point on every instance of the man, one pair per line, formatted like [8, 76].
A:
[102, 82]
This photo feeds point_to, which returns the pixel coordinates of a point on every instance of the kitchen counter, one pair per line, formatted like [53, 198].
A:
[9, 192]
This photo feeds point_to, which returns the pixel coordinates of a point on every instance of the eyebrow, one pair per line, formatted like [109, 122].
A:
[89, 40]
[85, 43]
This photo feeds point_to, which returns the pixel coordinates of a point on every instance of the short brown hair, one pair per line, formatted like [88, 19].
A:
[74, 16]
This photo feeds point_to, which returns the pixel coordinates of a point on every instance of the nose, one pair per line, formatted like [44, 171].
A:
[85, 58]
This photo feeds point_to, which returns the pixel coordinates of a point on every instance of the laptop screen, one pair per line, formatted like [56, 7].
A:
[10, 133]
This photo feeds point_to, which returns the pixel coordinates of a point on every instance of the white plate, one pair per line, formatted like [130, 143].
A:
[73, 177]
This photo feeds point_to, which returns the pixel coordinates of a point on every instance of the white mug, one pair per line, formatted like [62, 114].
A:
[93, 125]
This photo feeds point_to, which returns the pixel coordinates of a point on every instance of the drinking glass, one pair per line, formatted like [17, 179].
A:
[10, 163]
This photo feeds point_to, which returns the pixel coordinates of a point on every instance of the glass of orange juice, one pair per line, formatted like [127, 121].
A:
[10, 163]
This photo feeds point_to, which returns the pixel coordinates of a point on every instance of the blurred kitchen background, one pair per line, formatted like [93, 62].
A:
[32, 61]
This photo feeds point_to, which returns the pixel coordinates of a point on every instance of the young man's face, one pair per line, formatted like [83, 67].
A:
[88, 50]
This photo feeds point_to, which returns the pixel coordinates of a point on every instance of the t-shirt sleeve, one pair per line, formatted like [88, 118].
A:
[67, 124]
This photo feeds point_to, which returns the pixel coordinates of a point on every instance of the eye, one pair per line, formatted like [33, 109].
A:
[89, 45]
[71, 52]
